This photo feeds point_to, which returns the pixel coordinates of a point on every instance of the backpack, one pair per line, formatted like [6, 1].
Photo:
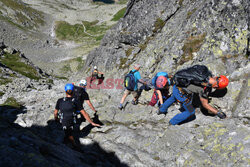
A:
[78, 93]
[129, 81]
[68, 102]
[160, 75]
[196, 75]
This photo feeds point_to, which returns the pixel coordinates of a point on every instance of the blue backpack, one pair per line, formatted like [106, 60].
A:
[129, 81]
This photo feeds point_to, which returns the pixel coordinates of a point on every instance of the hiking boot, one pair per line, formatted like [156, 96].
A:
[159, 112]
[120, 107]
[134, 102]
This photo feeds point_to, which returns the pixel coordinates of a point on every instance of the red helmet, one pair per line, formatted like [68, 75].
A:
[222, 82]
[161, 82]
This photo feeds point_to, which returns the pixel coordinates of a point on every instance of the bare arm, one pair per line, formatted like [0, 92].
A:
[100, 72]
[86, 116]
[56, 114]
[143, 82]
[207, 106]
[90, 105]
[160, 96]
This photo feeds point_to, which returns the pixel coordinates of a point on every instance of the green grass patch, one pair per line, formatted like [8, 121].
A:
[121, 2]
[123, 61]
[13, 61]
[192, 44]
[77, 33]
[119, 14]
[189, 14]
[66, 69]
[72, 65]
[4, 81]
[224, 58]
[12, 102]
[129, 51]
[156, 158]
[61, 77]
[1, 93]
[144, 45]
[81, 63]
[36, 17]
[11, 22]
[159, 24]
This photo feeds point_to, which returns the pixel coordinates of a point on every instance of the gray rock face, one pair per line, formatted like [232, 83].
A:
[214, 33]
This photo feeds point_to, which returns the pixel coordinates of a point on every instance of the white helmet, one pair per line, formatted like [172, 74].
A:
[83, 83]
[95, 67]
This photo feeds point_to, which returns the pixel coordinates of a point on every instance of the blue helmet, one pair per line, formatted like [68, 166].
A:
[69, 86]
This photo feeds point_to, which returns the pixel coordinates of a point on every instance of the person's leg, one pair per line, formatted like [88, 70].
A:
[100, 79]
[167, 104]
[67, 133]
[126, 93]
[135, 95]
[187, 113]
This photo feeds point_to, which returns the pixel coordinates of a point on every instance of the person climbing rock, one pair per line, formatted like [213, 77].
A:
[95, 75]
[81, 94]
[131, 85]
[67, 106]
[160, 83]
[187, 82]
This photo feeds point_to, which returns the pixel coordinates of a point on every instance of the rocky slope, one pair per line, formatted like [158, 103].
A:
[161, 35]
[170, 35]
[30, 26]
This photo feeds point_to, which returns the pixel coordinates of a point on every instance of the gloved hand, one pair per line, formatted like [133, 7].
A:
[221, 114]
[160, 106]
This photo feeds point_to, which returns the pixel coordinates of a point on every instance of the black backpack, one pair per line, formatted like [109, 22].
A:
[129, 81]
[68, 102]
[78, 93]
[192, 75]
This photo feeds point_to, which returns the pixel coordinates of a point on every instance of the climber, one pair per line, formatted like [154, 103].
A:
[94, 76]
[161, 83]
[81, 95]
[131, 85]
[187, 82]
[67, 106]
